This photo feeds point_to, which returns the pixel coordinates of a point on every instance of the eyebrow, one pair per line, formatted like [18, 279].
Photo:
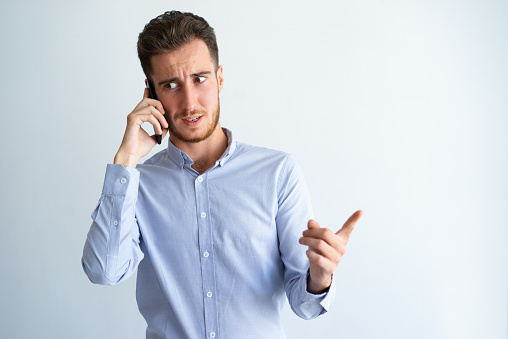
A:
[165, 81]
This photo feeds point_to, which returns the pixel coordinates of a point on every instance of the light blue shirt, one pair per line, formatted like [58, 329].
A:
[215, 252]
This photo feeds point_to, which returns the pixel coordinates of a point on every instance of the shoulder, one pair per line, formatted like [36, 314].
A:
[266, 159]
[158, 160]
[261, 153]
[154, 159]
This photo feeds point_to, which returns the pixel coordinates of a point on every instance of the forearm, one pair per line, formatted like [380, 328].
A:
[318, 287]
[124, 159]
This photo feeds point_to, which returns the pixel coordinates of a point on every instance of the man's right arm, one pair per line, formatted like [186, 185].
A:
[112, 252]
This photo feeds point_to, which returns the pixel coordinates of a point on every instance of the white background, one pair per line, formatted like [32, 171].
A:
[395, 107]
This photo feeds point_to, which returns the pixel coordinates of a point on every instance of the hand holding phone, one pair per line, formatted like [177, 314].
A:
[136, 141]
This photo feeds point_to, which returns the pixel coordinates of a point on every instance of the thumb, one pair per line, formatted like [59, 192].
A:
[312, 224]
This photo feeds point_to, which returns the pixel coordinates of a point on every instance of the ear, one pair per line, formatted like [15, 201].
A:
[220, 78]
[146, 83]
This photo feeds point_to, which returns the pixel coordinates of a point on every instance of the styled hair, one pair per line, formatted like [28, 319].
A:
[169, 31]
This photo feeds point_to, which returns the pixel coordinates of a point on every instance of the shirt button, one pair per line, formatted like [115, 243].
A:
[212, 334]
[200, 179]
[209, 294]
[181, 164]
[203, 215]
[206, 254]
[123, 181]
[115, 222]
[185, 157]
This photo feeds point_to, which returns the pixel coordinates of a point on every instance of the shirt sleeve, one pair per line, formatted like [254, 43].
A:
[293, 214]
[112, 252]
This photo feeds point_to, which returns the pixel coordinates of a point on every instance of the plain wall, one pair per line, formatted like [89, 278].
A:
[395, 107]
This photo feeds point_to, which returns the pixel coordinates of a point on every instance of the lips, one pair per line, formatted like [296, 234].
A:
[192, 121]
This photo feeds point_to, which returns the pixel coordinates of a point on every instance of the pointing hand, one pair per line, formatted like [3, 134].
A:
[326, 249]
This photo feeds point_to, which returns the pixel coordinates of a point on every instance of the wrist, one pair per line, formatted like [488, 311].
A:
[318, 287]
[125, 160]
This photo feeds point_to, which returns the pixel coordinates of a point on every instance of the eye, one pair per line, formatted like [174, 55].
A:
[200, 79]
[171, 85]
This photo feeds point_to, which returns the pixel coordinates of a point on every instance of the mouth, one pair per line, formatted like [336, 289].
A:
[192, 121]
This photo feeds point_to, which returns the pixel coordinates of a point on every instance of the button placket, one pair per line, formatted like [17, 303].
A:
[206, 249]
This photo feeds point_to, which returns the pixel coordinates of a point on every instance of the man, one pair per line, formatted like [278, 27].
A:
[212, 225]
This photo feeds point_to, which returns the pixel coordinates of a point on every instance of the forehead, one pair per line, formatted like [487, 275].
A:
[189, 58]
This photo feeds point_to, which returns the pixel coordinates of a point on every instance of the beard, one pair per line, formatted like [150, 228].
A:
[209, 131]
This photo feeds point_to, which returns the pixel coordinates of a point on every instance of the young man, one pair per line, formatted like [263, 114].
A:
[214, 226]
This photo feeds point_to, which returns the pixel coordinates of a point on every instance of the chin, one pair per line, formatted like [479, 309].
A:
[192, 137]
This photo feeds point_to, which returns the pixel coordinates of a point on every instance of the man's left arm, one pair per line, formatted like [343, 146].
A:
[308, 278]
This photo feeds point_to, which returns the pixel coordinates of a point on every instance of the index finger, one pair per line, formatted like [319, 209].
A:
[349, 225]
[151, 101]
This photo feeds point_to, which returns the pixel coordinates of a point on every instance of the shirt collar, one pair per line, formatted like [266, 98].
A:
[231, 147]
[181, 159]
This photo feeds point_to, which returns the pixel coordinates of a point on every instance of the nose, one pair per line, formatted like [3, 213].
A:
[188, 98]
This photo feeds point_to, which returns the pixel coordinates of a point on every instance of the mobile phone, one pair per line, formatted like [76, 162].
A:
[151, 89]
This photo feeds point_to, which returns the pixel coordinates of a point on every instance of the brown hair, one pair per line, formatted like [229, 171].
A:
[171, 30]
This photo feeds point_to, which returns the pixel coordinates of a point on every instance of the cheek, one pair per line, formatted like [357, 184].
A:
[170, 106]
[208, 99]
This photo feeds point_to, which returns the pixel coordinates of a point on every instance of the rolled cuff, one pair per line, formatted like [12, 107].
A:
[314, 305]
[121, 181]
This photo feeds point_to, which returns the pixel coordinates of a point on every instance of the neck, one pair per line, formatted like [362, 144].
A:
[205, 153]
